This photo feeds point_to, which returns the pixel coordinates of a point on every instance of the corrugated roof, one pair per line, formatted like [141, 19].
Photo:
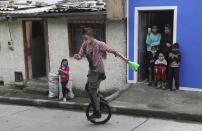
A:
[50, 6]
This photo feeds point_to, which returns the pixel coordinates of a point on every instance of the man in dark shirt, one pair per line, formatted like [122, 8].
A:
[166, 36]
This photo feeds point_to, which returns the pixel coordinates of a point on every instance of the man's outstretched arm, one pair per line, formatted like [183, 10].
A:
[105, 47]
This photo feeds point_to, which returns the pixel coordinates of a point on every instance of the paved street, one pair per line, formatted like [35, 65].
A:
[26, 118]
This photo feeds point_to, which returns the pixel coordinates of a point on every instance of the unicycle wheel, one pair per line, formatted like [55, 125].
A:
[105, 113]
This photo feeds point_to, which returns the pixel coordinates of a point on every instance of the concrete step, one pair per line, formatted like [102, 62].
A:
[37, 83]
[37, 86]
[42, 81]
[36, 90]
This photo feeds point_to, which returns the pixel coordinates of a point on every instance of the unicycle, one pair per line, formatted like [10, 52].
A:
[104, 109]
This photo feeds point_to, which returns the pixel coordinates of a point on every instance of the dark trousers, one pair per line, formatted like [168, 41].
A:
[173, 72]
[92, 92]
[64, 88]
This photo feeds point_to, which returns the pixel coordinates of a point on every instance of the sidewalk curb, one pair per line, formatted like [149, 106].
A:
[115, 109]
[117, 93]
[156, 114]
[43, 103]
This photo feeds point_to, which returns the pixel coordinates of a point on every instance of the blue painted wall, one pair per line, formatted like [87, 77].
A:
[189, 36]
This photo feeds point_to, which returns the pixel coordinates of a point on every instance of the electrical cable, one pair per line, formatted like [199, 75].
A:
[9, 30]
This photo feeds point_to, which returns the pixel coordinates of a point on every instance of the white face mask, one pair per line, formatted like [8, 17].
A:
[88, 41]
[155, 30]
[161, 58]
[167, 31]
[153, 52]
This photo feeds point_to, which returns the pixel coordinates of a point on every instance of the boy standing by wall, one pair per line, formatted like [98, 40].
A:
[174, 67]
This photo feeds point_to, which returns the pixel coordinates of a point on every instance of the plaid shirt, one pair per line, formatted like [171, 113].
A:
[97, 47]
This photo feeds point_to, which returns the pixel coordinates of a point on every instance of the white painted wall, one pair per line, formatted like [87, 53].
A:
[11, 61]
[115, 68]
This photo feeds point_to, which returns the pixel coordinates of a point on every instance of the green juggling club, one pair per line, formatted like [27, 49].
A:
[134, 66]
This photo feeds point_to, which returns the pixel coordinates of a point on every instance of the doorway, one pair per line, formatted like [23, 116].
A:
[38, 52]
[36, 49]
[146, 20]
[145, 17]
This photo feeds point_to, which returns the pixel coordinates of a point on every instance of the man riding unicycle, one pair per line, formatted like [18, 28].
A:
[93, 50]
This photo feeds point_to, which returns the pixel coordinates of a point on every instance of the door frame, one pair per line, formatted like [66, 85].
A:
[136, 29]
[25, 45]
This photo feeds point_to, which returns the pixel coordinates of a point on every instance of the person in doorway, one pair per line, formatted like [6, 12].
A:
[166, 37]
[174, 67]
[64, 78]
[151, 58]
[153, 38]
[160, 68]
[167, 49]
[93, 50]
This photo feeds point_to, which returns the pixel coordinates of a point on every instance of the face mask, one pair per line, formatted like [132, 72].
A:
[88, 41]
[65, 64]
[167, 31]
[161, 58]
[154, 30]
[153, 52]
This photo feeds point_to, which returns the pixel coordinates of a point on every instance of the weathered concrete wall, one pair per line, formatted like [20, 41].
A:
[11, 61]
[115, 68]
[59, 49]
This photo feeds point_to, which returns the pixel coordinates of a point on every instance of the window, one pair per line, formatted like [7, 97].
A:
[1, 83]
[75, 36]
[18, 77]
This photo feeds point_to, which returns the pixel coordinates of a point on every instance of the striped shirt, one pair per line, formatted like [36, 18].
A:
[97, 48]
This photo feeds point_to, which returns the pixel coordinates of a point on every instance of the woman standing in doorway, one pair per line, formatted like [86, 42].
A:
[153, 38]
[166, 37]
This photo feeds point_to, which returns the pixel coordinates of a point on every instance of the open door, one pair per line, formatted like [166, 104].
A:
[36, 49]
[144, 22]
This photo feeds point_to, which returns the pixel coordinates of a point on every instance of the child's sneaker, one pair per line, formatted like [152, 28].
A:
[158, 85]
[64, 99]
[164, 86]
